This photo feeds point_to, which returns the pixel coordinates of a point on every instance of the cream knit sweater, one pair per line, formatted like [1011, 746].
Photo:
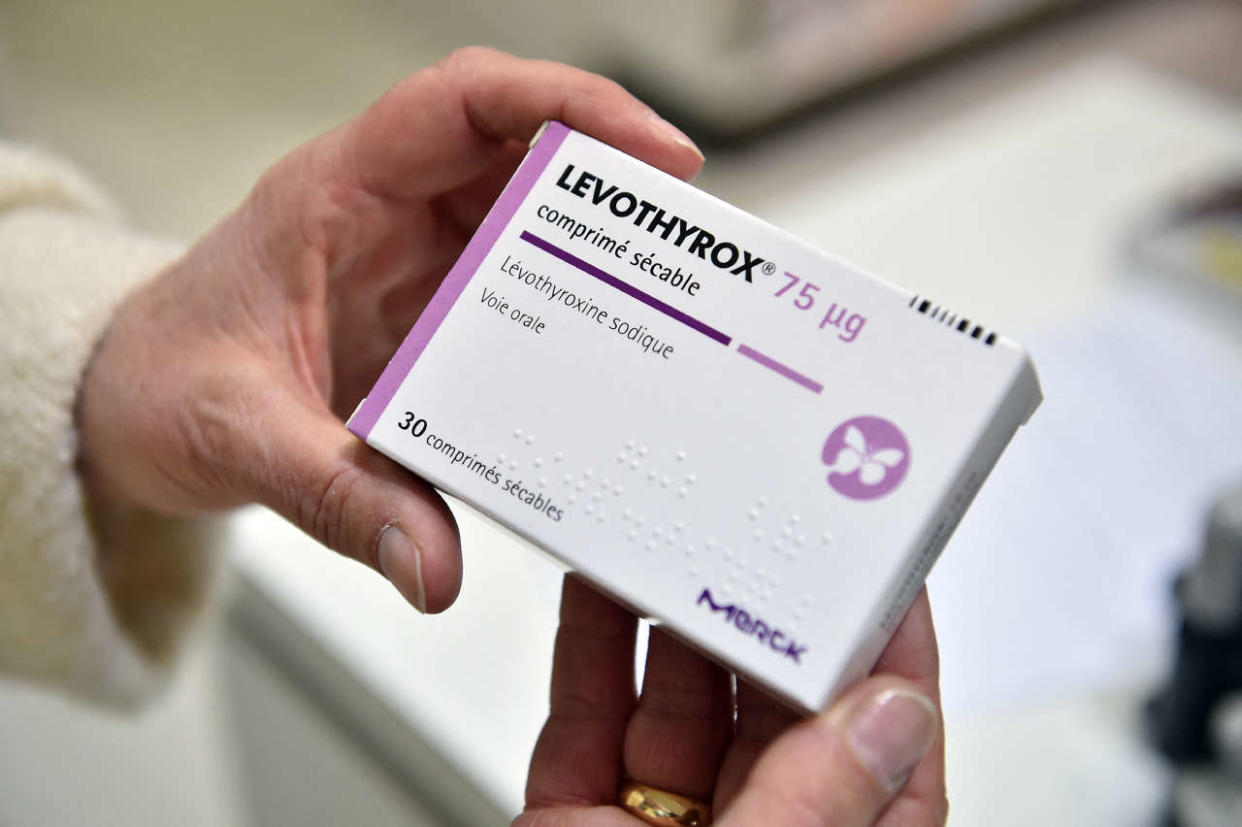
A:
[93, 599]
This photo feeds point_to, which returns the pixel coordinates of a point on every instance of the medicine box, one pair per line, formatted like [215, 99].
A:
[739, 436]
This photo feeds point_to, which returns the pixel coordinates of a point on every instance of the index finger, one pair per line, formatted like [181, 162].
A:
[912, 652]
[439, 128]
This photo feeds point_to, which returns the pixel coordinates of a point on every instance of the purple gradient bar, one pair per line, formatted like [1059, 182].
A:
[784, 370]
[628, 289]
[515, 192]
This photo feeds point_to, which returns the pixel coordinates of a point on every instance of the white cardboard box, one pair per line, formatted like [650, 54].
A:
[736, 434]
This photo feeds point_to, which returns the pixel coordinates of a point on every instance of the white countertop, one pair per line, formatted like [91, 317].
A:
[1013, 212]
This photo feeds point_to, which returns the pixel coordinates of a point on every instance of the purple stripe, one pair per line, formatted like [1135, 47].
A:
[625, 287]
[455, 282]
[773, 365]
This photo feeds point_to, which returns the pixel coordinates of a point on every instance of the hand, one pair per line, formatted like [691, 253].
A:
[225, 380]
[876, 756]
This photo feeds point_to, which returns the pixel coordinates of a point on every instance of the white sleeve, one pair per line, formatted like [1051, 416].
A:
[93, 600]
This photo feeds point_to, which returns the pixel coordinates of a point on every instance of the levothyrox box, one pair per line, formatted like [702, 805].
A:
[738, 435]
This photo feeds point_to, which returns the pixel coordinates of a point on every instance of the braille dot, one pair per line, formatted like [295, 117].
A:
[543, 482]
[786, 531]
[538, 462]
[763, 501]
[605, 482]
[664, 482]
[799, 540]
[753, 514]
[630, 444]
[657, 531]
[689, 549]
[640, 520]
[621, 458]
[617, 491]
[758, 534]
[587, 473]
[626, 513]
[651, 475]
[681, 492]
[681, 456]
[650, 546]
[694, 571]
[595, 495]
[642, 451]
[517, 433]
[630, 535]
[795, 519]
[530, 440]
[600, 517]
[827, 537]
[501, 459]
[558, 456]
[670, 539]
[634, 465]
[581, 486]
[572, 499]
[728, 553]
[678, 526]
[513, 466]
[711, 543]
[690, 479]
[590, 509]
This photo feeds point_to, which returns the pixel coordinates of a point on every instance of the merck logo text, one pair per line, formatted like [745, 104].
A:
[673, 228]
[754, 627]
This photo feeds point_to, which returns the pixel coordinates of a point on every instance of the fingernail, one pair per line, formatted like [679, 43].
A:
[673, 132]
[402, 564]
[891, 733]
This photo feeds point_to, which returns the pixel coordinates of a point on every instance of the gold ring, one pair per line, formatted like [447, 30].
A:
[656, 806]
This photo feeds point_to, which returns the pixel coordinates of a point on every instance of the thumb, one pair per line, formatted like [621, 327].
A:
[359, 503]
[844, 766]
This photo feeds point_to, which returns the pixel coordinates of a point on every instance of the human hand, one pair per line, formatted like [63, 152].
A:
[876, 756]
[225, 380]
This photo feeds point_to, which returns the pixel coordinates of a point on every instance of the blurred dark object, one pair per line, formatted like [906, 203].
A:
[1208, 666]
[1196, 720]
[1225, 202]
[726, 69]
[1197, 239]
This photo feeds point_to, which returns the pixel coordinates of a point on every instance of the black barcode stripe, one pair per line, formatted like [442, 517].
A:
[942, 315]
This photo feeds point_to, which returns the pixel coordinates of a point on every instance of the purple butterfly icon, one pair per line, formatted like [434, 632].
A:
[867, 457]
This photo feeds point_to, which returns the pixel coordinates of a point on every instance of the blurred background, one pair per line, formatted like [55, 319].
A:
[1069, 172]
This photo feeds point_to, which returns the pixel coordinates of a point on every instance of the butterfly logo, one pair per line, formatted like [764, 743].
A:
[867, 457]
[856, 455]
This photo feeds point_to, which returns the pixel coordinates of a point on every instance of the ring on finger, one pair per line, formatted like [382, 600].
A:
[661, 807]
